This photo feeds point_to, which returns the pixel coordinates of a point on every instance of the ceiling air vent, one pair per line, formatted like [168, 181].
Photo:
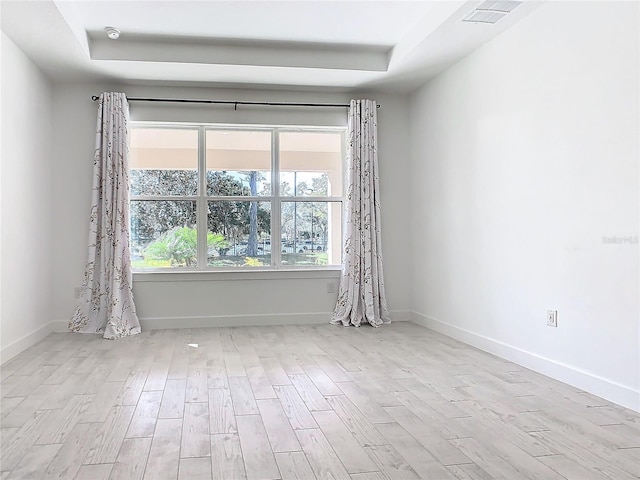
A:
[491, 11]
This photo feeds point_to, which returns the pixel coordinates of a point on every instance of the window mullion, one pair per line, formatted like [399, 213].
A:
[201, 202]
[276, 248]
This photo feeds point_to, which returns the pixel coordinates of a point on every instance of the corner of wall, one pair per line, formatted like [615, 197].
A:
[27, 137]
[18, 346]
[599, 386]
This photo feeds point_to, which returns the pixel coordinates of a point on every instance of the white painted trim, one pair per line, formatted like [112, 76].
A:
[20, 345]
[587, 381]
[251, 320]
[155, 323]
[226, 276]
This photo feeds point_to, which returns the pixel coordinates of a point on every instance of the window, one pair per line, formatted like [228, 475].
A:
[208, 197]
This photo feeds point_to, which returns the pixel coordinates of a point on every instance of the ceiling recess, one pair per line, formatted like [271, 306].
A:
[491, 11]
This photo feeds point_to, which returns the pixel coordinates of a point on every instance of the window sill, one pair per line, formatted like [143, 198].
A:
[226, 276]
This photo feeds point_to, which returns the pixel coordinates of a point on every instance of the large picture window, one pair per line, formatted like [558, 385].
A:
[210, 197]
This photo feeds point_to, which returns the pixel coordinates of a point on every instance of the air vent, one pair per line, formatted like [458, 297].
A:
[491, 11]
[498, 5]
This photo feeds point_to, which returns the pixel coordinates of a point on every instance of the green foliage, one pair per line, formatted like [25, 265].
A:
[232, 219]
[178, 247]
[217, 242]
[163, 232]
[222, 183]
[305, 220]
[163, 182]
[252, 262]
[150, 263]
[310, 258]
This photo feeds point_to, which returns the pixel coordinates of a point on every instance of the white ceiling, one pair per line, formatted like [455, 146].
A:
[333, 45]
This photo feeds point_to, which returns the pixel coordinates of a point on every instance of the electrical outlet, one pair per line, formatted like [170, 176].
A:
[331, 287]
[77, 292]
[552, 318]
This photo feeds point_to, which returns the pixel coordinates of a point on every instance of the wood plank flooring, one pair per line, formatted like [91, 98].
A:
[299, 402]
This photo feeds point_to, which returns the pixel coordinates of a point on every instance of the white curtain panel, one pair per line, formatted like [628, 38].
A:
[361, 296]
[106, 301]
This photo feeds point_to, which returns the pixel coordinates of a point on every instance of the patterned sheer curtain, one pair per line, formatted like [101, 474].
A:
[106, 300]
[361, 295]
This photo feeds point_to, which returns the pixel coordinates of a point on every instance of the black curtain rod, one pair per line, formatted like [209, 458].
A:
[235, 103]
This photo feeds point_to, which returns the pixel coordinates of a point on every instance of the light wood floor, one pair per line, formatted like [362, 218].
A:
[398, 402]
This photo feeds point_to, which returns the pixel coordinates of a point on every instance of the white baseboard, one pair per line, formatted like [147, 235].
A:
[164, 323]
[602, 387]
[20, 345]
[252, 320]
[156, 323]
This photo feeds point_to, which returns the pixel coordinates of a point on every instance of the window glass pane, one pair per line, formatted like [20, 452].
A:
[311, 164]
[163, 233]
[311, 233]
[163, 161]
[239, 234]
[238, 162]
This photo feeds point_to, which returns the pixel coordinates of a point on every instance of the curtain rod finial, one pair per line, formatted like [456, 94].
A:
[94, 97]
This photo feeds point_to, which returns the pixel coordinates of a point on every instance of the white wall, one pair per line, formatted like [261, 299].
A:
[524, 156]
[212, 299]
[25, 312]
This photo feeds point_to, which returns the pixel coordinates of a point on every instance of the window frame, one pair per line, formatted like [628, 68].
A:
[275, 199]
